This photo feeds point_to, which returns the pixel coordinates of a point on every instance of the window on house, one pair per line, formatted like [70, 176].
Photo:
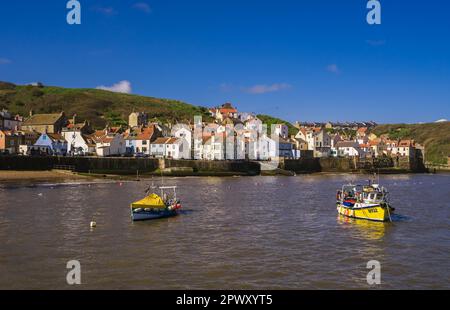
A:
[144, 142]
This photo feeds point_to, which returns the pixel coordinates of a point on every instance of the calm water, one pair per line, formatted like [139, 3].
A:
[235, 233]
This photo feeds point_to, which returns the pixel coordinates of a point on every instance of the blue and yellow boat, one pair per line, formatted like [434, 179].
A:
[156, 206]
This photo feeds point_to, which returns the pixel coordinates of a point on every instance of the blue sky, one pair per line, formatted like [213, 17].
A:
[299, 60]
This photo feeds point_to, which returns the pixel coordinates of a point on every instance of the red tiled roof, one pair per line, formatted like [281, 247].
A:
[172, 141]
[227, 110]
[362, 130]
[100, 136]
[115, 129]
[146, 133]
[161, 140]
[75, 126]
[99, 133]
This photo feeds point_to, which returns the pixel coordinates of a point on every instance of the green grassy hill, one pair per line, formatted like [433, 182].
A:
[434, 136]
[270, 120]
[98, 106]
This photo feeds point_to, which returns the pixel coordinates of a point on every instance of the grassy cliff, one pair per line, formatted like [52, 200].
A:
[434, 136]
[98, 106]
[270, 120]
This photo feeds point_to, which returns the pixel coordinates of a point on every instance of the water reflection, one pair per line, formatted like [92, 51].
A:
[369, 230]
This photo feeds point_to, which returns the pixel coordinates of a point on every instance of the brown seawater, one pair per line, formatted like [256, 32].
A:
[233, 233]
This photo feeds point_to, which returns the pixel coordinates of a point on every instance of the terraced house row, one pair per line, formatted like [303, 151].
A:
[232, 135]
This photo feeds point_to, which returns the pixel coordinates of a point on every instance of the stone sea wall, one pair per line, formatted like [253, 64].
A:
[133, 166]
[124, 166]
[369, 165]
[209, 166]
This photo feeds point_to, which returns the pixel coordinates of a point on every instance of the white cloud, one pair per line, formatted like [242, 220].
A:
[142, 6]
[121, 87]
[263, 89]
[333, 68]
[5, 61]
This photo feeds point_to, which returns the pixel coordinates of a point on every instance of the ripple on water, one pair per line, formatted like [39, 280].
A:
[234, 233]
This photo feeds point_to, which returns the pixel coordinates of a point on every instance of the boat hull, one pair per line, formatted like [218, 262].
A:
[152, 215]
[378, 213]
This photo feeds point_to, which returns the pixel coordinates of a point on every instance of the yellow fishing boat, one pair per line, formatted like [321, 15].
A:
[156, 206]
[364, 202]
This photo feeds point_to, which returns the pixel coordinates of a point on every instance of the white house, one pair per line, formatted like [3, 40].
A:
[139, 139]
[267, 148]
[174, 149]
[213, 148]
[78, 143]
[348, 149]
[144, 138]
[254, 124]
[306, 135]
[167, 148]
[404, 148]
[107, 144]
[282, 130]
[184, 133]
[322, 144]
[245, 116]
[54, 143]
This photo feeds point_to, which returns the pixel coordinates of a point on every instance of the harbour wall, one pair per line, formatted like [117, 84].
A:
[129, 166]
[209, 167]
[133, 166]
[366, 165]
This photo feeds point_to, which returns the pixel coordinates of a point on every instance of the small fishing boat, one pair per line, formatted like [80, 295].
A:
[368, 202]
[156, 206]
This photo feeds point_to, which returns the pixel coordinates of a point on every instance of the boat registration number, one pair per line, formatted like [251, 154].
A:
[373, 210]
